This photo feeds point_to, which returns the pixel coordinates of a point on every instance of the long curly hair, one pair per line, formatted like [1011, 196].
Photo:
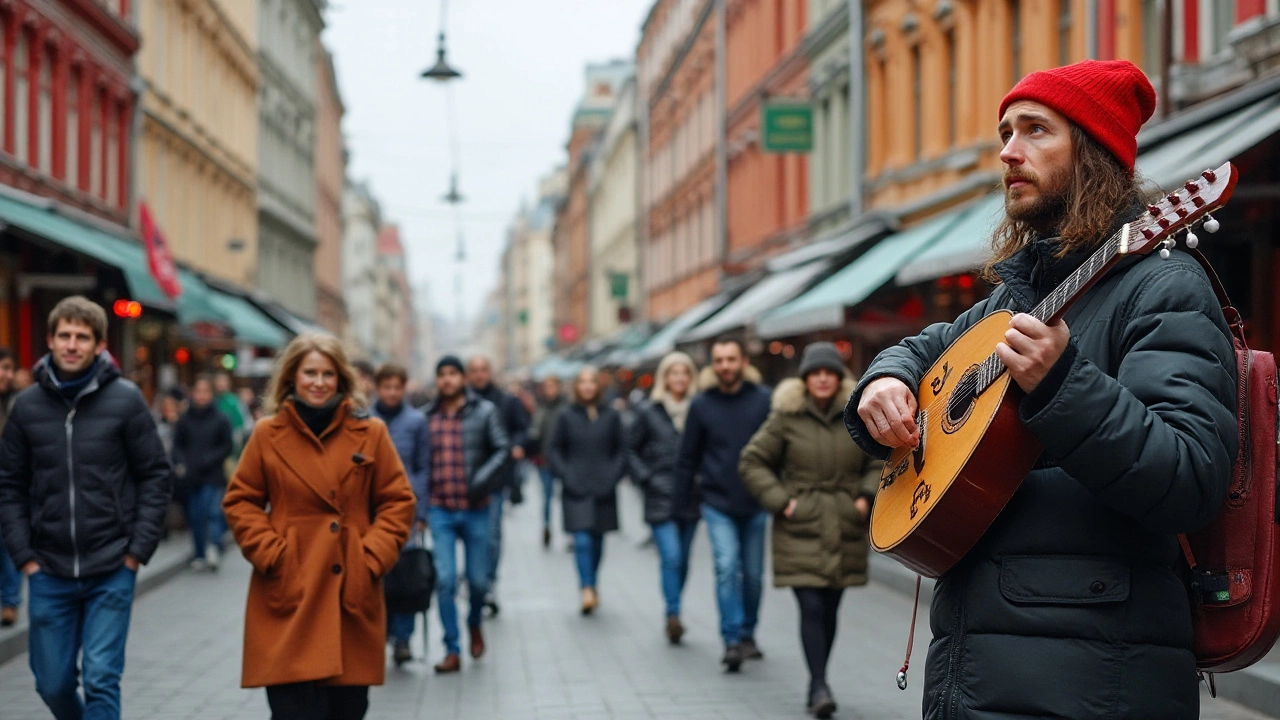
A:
[1098, 187]
[282, 385]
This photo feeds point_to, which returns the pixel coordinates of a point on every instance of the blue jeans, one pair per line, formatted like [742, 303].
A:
[737, 544]
[548, 494]
[10, 581]
[71, 616]
[588, 550]
[400, 627]
[204, 517]
[496, 501]
[674, 539]
[472, 528]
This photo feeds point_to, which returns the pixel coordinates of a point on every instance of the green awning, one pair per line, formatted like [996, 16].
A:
[42, 221]
[822, 307]
[964, 247]
[248, 323]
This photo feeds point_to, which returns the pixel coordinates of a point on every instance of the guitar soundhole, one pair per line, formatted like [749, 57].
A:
[961, 401]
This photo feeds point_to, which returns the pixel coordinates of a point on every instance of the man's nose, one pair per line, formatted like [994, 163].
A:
[1011, 154]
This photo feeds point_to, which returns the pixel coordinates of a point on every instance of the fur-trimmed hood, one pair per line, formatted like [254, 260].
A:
[790, 395]
[707, 378]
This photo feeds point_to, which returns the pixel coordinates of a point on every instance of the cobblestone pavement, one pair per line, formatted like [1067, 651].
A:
[545, 661]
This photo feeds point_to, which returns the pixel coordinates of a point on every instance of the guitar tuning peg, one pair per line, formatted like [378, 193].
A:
[1192, 240]
[1211, 224]
[1165, 247]
[1164, 253]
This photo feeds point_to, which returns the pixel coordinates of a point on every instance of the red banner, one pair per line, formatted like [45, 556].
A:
[159, 259]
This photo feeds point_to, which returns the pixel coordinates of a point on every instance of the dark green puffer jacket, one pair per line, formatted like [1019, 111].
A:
[1072, 605]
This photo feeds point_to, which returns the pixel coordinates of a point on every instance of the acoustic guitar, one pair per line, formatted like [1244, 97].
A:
[938, 498]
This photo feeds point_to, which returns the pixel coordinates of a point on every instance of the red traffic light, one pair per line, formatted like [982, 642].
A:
[127, 309]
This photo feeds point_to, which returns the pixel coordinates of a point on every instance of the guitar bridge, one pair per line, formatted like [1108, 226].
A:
[917, 454]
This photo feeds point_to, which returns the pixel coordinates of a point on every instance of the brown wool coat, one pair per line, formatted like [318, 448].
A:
[340, 510]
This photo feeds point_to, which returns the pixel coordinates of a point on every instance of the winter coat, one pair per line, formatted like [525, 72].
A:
[590, 459]
[201, 445]
[515, 420]
[719, 426]
[804, 453]
[83, 481]
[408, 429]
[340, 510]
[543, 424]
[486, 447]
[651, 460]
[1072, 605]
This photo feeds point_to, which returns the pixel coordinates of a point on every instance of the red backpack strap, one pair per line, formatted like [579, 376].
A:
[1234, 321]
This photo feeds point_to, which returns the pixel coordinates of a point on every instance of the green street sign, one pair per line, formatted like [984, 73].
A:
[618, 285]
[787, 127]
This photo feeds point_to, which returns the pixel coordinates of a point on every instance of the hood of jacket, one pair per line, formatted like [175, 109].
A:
[791, 395]
[106, 372]
[708, 380]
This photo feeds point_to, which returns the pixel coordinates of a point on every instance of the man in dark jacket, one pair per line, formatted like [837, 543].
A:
[84, 488]
[469, 455]
[516, 421]
[408, 429]
[721, 422]
[202, 442]
[551, 403]
[1071, 605]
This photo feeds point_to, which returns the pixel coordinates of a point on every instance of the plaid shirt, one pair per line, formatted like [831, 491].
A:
[448, 464]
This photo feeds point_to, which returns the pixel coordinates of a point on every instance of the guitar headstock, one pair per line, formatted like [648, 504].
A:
[1157, 228]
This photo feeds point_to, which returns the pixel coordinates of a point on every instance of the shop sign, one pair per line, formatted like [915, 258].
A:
[163, 269]
[618, 283]
[787, 127]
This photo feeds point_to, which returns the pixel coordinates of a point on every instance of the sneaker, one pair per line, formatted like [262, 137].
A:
[732, 658]
[491, 604]
[750, 651]
[199, 565]
[8, 616]
[821, 704]
[401, 652]
[213, 557]
[675, 630]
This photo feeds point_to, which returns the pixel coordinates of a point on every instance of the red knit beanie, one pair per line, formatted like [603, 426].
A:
[1109, 99]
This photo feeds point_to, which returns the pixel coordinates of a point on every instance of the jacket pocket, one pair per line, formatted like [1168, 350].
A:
[361, 591]
[806, 520]
[282, 585]
[1063, 580]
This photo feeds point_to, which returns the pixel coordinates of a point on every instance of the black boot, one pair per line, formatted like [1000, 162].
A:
[733, 658]
[821, 704]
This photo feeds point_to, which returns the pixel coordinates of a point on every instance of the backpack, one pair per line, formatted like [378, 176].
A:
[1234, 562]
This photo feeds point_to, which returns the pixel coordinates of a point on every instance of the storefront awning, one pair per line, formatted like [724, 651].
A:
[1211, 144]
[769, 292]
[40, 220]
[963, 248]
[249, 324]
[822, 308]
[664, 341]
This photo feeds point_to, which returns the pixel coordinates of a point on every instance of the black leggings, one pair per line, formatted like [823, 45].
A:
[313, 701]
[819, 608]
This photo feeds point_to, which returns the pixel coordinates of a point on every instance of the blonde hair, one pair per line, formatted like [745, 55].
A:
[282, 386]
[670, 360]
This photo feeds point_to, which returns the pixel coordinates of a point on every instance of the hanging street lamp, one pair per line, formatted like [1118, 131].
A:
[441, 71]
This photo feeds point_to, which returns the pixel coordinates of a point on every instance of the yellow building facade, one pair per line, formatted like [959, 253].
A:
[197, 163]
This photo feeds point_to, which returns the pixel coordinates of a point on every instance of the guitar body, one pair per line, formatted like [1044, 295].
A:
[936, 500]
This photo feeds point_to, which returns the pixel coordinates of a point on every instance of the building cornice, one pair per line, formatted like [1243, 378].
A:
[683, 53]
[833, 28]
[110, 25]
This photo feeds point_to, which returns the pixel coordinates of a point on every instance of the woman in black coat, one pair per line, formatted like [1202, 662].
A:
[654, 443]
[588, 454]
[201, 445]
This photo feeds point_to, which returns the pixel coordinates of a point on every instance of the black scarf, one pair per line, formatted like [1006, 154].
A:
[316, 418]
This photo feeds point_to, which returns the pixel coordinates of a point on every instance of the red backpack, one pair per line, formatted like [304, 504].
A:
[1235, 561]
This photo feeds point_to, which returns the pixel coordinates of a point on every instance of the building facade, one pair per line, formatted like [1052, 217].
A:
[613, 212]
[331, 174]
[529, 267]
[362, 223]
[826, 45]
[199, 138]
[681, 117]
[393, 316]
[288, 42]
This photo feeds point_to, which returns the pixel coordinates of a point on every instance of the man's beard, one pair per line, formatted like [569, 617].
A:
[1049, 207]
[733, 379]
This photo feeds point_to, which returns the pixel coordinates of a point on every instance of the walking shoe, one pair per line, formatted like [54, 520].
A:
[821, 704]
[590, 600]
[732, 658]
[451, 664]
[402, 654]
[546, 537]
[199, 565]
[477, 643]
[213, 557]
[675, 630]
[491, 604]
[8, 616]
[750, 651]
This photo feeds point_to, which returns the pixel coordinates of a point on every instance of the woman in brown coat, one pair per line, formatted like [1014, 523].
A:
[320, 506]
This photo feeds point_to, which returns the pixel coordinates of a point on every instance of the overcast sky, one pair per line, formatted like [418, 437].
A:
[522, 62]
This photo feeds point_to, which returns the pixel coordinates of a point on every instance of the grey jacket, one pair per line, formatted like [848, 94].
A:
[408, 430]
[486, 448]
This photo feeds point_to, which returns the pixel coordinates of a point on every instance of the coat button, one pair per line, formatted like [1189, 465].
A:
[1098, 588]
[333, 526]
[337, 569]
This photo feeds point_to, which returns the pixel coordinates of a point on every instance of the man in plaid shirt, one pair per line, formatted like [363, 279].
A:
[470, 452]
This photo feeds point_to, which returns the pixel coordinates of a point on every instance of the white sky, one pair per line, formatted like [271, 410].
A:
[522, 63]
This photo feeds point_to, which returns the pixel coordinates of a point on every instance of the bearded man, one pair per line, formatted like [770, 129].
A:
[1072, 604]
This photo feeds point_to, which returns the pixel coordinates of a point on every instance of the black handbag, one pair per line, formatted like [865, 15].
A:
[411, 582]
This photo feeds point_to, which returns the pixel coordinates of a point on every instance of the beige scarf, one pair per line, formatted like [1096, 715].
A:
[677, 409]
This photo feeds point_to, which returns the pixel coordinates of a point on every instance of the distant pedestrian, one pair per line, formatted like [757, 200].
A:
[470, 453]
[655, 441]
[364, 378]
[589, 453]
[819, 487]
[81, 446]
[321, 507]
[550, 403]
[10, 575]
[721, 421]
[408, 429]
[202, 442]
[516, 421]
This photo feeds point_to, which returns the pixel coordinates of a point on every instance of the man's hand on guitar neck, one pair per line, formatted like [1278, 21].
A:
[1031, 348]
[888, 407]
